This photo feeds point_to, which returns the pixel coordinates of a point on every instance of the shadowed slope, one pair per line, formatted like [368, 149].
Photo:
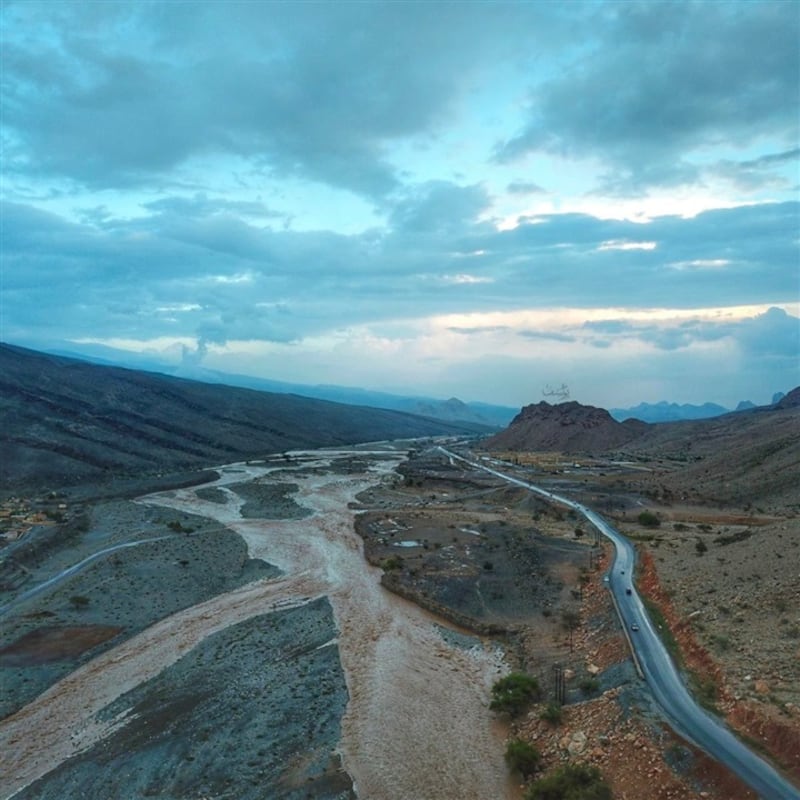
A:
[66, 421]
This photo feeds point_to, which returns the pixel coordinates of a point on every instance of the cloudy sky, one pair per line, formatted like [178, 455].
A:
[439, 198]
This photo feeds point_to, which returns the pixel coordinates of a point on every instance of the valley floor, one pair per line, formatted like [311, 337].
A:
[247, 646]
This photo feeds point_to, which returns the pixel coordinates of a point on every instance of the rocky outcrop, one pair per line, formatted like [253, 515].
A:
[791, 400]
[565, 427]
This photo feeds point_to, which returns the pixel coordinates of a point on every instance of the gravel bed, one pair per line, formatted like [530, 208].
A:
[269, 500]
[128, 589]
[251, 713]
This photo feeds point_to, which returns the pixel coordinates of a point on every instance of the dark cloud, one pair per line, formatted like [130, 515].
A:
[438, 207]
[483, 329]
[253, 281]
[678, 78]
[121, 94]
[547, 336]
[524, 187]
[773, 334]
[757, 173]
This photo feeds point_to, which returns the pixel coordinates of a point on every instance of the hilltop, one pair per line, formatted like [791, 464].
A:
[565, 427]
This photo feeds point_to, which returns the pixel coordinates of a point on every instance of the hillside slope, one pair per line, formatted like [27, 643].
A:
[65, 421]
[747, 456]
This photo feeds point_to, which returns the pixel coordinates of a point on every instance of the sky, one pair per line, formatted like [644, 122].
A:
[470, 199]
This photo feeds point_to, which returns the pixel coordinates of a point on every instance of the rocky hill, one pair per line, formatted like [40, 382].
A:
[748, 456]
[567, 428]
[67, 421]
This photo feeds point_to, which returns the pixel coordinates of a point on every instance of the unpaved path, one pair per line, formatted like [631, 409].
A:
[417, 723]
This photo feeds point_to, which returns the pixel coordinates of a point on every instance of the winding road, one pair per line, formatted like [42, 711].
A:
[666, 684]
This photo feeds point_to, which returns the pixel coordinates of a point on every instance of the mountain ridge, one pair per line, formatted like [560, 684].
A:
[67, 421]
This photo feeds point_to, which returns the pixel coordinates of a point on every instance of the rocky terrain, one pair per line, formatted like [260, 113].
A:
[719, 549]
[67, 422]
[232, 635]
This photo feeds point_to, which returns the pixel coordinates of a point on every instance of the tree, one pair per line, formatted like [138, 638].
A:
[522, 757]
[514, 693]
[571, 782]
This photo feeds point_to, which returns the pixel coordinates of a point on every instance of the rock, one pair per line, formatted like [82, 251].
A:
[761, 686]
[577, 743]
[593, 670]
[569, 674]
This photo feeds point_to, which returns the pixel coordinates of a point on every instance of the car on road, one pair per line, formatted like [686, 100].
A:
[635, 626]
[627, 591]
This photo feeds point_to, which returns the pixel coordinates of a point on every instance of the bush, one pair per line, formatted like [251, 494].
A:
[700, 546]
[391, 563]
[514, 693]
[79, 601]
[571, 782]
[552, 713]
[589, 685]
[522, 757]
[649, 520]
[570, 620]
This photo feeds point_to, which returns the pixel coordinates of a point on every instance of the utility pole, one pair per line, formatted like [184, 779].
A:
[560, 691]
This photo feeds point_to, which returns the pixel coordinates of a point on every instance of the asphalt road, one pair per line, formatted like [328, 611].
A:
[685, 716]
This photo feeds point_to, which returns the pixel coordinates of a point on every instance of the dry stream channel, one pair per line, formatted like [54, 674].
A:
[416, 722]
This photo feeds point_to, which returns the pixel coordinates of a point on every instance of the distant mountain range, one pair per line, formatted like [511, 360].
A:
[672, 412]
[452, 410]
[66, 421]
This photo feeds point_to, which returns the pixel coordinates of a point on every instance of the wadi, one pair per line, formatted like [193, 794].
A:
[211, 592]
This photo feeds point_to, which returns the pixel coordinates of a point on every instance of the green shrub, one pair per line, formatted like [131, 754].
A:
[391, 563]
[700, 546]
[522, 757]
[571, 782]
[552, 713]
[79, 601]
[649, 519]
[570, 620]
[514, 693]
[589, 685]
